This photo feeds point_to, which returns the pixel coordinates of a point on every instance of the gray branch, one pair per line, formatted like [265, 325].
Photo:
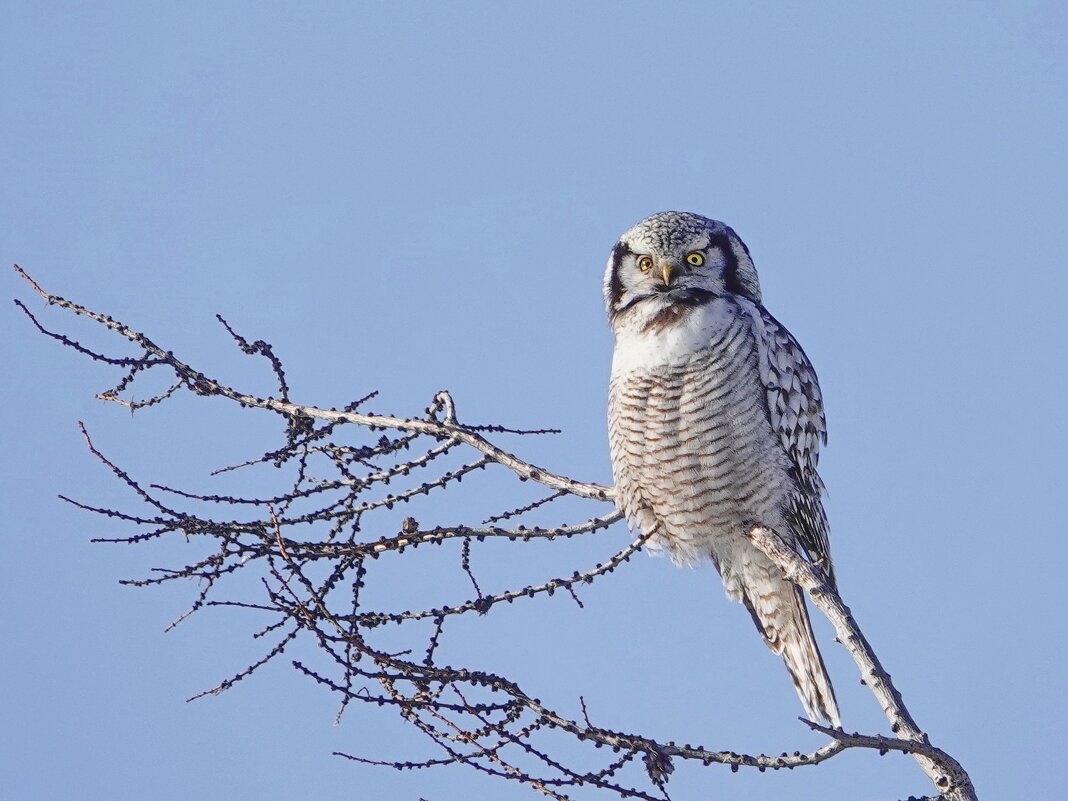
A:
[477, 718]
[947, 774]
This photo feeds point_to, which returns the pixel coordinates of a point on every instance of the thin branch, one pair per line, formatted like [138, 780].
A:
[947, 774]
[448, 428]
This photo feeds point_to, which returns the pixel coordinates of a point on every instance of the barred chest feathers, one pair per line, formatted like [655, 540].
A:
[689, 432]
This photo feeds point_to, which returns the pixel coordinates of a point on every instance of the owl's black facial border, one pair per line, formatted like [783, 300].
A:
[691, 296]
[732, 280]
[615, 285]
[678, 298]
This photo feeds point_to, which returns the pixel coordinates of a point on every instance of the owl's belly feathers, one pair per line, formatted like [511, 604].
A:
[692, 447]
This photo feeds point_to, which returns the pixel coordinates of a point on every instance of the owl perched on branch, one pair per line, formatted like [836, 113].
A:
[715, 421]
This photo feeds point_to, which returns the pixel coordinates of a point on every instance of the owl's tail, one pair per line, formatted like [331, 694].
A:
[778, 609]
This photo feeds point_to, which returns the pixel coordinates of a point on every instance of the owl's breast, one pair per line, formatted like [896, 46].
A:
[642, 343]
[692, 447]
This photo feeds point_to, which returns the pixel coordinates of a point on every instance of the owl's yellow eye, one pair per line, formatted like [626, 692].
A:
[695, 259]
[645, 263]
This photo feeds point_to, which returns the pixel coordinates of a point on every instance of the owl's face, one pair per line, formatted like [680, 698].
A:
[673, 260]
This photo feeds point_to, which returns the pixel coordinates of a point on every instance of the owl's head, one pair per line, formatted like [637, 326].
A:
[675, 259]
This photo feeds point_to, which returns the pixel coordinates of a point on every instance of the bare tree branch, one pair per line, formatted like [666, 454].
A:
[313, 547]
[947, 774]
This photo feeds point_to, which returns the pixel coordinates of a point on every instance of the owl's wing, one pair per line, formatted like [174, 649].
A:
[795, 407]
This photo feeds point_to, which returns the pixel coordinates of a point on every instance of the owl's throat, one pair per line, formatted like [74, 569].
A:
[668, 307]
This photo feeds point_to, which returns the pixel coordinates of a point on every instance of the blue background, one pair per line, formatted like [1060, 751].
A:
[417, 196]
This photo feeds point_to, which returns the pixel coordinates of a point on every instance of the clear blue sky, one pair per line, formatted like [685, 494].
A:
[440, 184]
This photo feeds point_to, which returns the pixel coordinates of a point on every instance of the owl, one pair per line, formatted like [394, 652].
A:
[715, 422]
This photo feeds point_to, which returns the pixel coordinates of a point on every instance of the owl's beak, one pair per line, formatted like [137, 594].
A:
[666, 270]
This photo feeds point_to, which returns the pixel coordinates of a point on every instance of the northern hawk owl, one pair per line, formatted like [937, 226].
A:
[715, 422]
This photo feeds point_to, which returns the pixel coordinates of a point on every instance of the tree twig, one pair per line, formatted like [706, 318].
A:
[313, 579]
